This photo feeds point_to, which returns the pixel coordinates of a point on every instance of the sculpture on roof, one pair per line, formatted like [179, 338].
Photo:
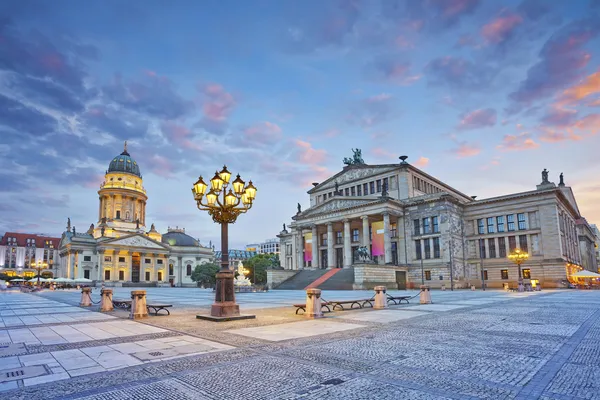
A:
[91, 230]
[562, 180]
[69, 224]
[284, 227]
[337, 189]
[545, 176]
[102, 230]
[299, 208]
[74, 232]
[125, 147]
[356, 158]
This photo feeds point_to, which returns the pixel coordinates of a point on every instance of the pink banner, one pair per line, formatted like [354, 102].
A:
[377, 241]
[307, 247]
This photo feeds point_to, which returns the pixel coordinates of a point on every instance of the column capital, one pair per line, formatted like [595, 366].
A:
[385, 213]
[363, 217]
[346, 220]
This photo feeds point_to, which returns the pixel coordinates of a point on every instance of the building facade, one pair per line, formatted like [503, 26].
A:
[269, 246]
[118, 250]
[407, 218]
[596, 245]
[19, 252]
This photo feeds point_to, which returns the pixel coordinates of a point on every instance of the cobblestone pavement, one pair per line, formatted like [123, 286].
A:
[467, 345]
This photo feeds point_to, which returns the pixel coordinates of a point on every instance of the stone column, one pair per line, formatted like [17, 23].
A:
[138, 305]
[315, 247]
[106, 303]
[86, 297]
[100, 208]
[300, 247]
[365, 231]
[313, 304]
[387, 240]
[72, 265]
[100, 274]
[180, 268]
[380, 298]
[330, 260]
[112, 211]
[347, 245]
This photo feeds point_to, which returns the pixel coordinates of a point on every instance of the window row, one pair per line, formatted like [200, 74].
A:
[497, 224]
[122, 259]
[364, 189]
[355, 235]
[426, 226]
[424, 186]
[423, 248]
[107, 274]
[501, 251]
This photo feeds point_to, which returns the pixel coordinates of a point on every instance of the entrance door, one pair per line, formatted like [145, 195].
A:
[401, 279]
[324, 259]
[339, 258]
[135, 267]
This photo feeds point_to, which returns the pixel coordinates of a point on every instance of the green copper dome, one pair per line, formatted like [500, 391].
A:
[124, 163]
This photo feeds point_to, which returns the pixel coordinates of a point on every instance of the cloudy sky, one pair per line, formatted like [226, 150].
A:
[481, 94]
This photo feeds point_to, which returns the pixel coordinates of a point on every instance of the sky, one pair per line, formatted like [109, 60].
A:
[481, 94]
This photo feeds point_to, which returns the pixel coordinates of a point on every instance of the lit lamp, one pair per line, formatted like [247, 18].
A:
[224, 202]
[39, 266]
[518, 257]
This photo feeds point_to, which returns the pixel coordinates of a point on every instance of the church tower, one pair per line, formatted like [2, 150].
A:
[122, 197]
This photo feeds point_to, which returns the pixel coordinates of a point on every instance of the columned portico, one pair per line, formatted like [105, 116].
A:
[387, 240]
[347, 245]
[315, 247]
[365, 231]
[300, 250]
[330, 256]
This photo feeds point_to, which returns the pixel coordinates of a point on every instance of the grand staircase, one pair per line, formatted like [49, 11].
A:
[301, 279]
[325, 279]
[342, 280]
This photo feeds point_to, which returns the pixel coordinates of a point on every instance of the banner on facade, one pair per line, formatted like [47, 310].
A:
[377, 241]
[307, 247]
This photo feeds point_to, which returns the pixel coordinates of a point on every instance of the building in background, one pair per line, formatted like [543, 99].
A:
[432, 233]
[269, 246]
[235, 256]
[587, 245]
[597, 246]
[20, 251]
[119, 250]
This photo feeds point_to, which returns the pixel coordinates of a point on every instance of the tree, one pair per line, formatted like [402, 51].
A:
[204, 274]
[258, 266]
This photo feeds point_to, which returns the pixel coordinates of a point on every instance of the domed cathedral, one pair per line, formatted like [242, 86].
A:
[118, 251]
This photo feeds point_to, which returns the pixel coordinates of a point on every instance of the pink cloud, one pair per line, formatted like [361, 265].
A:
[552, 136]
[586, 87]
[218, 104]
[262, 133]
[95, 182]
[465, 150]
[382, 153]
[518, 142]
[161, 166]
[306, 154]
[478, 119]
[331, 133]
[422, 162]
[501, 28]
[179, 135]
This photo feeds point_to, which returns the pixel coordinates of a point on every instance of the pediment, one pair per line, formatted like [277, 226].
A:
[568, 193]
[352, 174]
[136, 241]
[334, 204]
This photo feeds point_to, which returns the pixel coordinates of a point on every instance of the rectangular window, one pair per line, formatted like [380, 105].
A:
[427, 249]
[492, 247]
[512, 243]
[330, 194]
[159, 261]
[523, 243]
[147, 261]
[372, 187]
[436, 225]
[171, 269]
[416, 227]
[121, 259]
[427, 275]
[500, 223]
[521, 221]
[378, 185]
[504, 274]
[480, 226]
[436, 247]
[527, 273]
[501, 247]
[355, 235]
[147, 275]
[393, 230]
[353, 191]
[359, 190]
[121, 275]
[418, 249]
[482, 248]
[107, 275]
[485, 276]
[490, 225]
[188, 270]
[160, 275]
[365, 188]
[347, 192]
[386, 184]
[510, 219]
[324, 239]
[87, 258]
[339, 239]
[86, 273]
[426, 226]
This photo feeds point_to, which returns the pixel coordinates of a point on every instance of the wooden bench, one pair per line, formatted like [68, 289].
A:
[324, 307]
[398, 299]
[120, 303]
[158, 307]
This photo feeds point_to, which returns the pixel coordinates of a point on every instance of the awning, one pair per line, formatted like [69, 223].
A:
[586, 274]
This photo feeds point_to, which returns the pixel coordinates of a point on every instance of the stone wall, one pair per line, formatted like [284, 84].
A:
[367, 276]
[276, 276]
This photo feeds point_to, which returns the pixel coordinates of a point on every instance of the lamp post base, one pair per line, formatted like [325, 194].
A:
[521, 287]
[225, 309]
[224, 319]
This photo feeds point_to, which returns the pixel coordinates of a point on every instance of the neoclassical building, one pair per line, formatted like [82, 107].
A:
[118, 250]
[430, 232]
[20, 253]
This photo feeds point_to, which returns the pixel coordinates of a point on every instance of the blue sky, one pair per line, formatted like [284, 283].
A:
[481, 94]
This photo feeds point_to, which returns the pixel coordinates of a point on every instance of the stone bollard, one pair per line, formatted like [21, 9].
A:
[425, 296]
[106, 303]
[380, 298]
[86, 297]
[313, 303]
[138, 305]
[443, 287]
[473, 287]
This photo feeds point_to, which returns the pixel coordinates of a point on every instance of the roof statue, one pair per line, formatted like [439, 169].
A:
[91, 230]
[284, 227]
[74, 232]
[69, 224]
[102, 230]
[299, 208]
[545, 176]
[356, 158]
[337, 189]
[125, 147]
[562, 180]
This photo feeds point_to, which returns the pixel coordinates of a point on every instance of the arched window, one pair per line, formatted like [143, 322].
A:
[170, 269]
[189, 270]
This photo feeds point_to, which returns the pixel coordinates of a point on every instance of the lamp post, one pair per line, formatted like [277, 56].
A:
[518, 257]
[235, 201]
[39, 266]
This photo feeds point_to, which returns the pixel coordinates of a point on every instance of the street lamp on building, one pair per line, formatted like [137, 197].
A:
[224, 206]
[519, 257]
[39, 266]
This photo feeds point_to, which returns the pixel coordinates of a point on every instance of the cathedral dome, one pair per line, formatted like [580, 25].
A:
[124, 163]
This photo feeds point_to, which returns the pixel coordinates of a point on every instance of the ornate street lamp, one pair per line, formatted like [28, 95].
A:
[224, 203]
[518, 257]
[40, 265]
